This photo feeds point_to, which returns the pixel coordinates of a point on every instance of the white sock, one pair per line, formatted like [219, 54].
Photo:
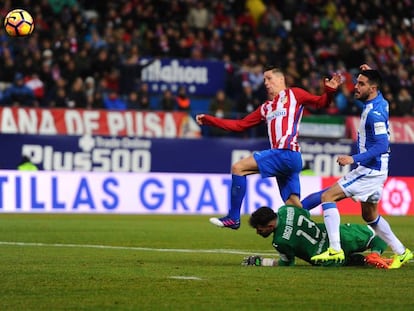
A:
[383, 230]
[332, 221]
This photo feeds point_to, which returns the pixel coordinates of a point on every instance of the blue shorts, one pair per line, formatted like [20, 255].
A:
[285, 165]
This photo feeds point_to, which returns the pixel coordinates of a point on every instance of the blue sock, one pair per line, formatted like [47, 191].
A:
[238, 190]
[313, 200]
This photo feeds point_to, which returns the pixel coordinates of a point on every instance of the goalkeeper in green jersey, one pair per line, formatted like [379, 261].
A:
[296, 235]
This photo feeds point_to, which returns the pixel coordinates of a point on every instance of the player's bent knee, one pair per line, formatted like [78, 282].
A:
[237, 169]
[293, 200]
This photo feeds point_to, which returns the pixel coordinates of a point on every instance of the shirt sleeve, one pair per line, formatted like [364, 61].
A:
[378, 245]
[307, 99]
[248, 121]
[287, 255]
[376, 124]
[285, 260]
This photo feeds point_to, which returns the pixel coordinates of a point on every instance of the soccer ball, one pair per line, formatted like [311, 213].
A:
[18, 23]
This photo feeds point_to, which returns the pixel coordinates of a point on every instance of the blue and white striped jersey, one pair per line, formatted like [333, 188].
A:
[373, 135]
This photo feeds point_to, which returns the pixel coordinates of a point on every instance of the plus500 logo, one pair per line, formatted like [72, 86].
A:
[98, 159]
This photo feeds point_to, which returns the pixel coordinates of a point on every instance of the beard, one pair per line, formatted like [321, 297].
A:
[361, 96]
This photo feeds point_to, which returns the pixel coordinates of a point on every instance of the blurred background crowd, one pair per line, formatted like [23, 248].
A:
[87, 54]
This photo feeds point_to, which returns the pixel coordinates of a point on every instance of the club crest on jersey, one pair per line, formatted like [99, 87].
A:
[284, 100]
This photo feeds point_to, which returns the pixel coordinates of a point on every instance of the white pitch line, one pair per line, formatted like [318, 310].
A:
[179, 277]
[148, 249]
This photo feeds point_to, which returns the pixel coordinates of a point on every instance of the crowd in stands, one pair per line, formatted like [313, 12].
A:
[86, 53]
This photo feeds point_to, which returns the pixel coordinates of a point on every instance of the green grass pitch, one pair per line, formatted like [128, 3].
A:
[160, 262]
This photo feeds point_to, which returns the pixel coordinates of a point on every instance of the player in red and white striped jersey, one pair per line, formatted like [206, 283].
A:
[282, 114]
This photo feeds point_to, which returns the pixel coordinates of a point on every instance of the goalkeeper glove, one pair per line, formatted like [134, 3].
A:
[258, 261]
[252, 261]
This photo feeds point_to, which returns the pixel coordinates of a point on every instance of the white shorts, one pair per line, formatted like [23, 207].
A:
[363, 184]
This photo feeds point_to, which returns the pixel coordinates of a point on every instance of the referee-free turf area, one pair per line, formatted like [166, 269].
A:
[162, 262]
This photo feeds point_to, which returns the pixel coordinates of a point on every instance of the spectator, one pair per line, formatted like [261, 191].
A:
[405, 103]
[394, 109]
[133, 102]
[47, 56]
[101, 63]
[270, 22]
[98, 100]
[76, 95]
[247, 22]
[18, 94]
[144, 97]
[114, 102]
[37, 86]
[89, 91]
[247, 102]
[255, 79]
[60, 98]
[220, 20]
[144, 102]
[383, 39]
[168, 102]
[130, 70]
[341, 100]
[198, 16]
[220, 107]
[183, 101]
[7, 66]
[57, 95]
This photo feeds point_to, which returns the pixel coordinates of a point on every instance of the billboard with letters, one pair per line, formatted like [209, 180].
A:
[166, 193]
[207, 155]
[200, 77]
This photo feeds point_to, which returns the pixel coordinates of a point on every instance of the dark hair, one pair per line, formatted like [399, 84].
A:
[273, 68]
[262, 216]
[373, 76]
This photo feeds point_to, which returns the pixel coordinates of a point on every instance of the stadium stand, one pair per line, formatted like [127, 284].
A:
[95, 47]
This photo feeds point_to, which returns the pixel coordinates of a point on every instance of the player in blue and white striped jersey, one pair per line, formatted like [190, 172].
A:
[364, 183]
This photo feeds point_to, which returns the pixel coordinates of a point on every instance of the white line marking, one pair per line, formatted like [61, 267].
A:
[170, 250]
[178, 277]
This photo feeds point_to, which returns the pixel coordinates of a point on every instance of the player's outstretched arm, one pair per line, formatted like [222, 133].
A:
[336, 80]
[200, 118]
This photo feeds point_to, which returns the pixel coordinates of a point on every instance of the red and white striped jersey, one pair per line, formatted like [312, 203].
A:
[282, 115]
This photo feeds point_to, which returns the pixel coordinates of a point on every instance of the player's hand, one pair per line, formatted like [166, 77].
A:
[252, 261]
[336, 80]
[365, 67]
[200, 118]
[343, 160]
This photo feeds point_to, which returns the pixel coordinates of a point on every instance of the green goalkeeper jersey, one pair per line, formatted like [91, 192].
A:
[297, 235]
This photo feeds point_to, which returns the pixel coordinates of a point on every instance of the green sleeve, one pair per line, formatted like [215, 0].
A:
[378, 245]
[283, 263]
[285, 259]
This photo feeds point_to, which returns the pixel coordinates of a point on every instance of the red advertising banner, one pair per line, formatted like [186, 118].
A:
[401, 129]
[397, 197]
[148, 124]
